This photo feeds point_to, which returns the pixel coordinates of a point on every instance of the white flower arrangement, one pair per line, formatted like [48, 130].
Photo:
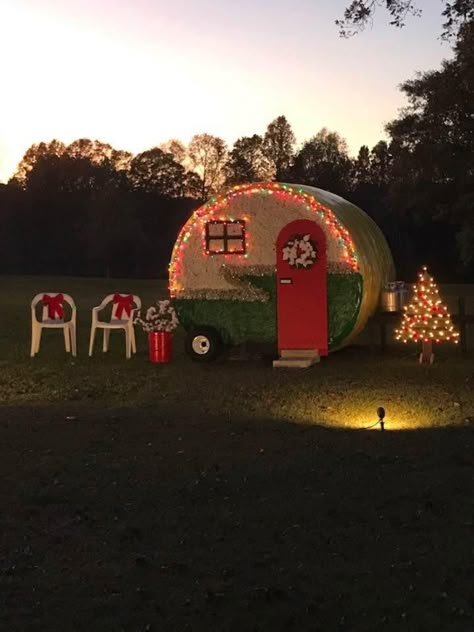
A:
[159, 317]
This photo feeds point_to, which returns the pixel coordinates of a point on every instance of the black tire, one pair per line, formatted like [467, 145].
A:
[203, 344]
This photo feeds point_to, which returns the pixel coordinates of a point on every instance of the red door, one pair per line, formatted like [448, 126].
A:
[301, 287]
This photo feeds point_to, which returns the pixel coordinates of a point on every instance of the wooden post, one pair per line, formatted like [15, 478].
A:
[462, 323]
[426, 354]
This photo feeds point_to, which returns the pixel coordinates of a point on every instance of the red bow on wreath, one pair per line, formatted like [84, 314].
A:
[54, 305]
[124, 304]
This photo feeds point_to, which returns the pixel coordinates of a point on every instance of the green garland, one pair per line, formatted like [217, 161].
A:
[344, 300]
[240, 321]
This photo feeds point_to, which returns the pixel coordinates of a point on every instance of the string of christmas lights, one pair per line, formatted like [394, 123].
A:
[426, 319]
[215, 210]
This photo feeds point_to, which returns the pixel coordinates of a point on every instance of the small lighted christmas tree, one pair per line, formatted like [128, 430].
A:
[426, 319]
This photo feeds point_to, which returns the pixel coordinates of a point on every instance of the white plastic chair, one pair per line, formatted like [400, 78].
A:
[52, 317]
[123, 312]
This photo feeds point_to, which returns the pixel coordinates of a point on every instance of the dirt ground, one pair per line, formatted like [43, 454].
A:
[120, 519]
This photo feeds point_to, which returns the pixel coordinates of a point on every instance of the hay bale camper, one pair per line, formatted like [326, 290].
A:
[282, 263]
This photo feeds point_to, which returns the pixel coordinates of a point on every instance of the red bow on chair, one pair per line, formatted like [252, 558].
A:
[124, 304]
[55, 305]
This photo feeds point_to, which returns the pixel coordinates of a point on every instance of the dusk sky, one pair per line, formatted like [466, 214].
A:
[135, 73]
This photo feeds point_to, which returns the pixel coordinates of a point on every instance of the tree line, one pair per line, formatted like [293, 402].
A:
[89, 209]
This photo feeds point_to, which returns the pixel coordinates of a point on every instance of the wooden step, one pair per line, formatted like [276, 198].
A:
[299, 353]
[297, 358]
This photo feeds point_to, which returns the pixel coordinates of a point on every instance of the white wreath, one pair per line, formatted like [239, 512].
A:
[300, 252]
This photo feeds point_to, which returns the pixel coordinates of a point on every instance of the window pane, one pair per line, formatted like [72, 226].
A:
[235, 230]
[215, 229]
[235, 245]
[216, 245]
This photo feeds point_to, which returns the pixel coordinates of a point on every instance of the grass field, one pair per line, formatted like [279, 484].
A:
[229, 496]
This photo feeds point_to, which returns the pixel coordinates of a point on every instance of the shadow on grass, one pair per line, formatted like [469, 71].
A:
[140, 519]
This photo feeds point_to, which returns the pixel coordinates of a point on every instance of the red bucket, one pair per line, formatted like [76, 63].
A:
[160, 344]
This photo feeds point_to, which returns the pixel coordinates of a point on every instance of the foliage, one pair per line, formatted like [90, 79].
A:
[323, 162]
[48, 151]
[360, 12]
[156, 171]
[465, 243]
[434, 180]
[84, 165]
[87, 208]
[248, 162]
[208, 155]
[361, 168]
[380, 164]
[279, 142]
[177, 149]
[112, 232]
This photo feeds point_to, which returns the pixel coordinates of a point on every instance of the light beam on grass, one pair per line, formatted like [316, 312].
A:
[357, 411]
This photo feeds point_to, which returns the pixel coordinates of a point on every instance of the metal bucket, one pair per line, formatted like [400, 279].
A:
[394, 297]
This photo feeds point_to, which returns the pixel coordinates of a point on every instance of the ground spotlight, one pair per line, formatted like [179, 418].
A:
[381, 416]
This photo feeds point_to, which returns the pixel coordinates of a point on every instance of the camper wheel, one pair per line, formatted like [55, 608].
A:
[203, 344]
